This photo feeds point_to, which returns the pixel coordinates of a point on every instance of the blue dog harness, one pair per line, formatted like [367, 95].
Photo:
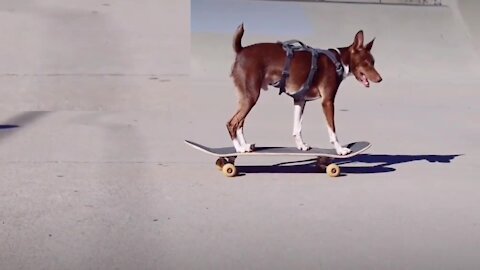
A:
[290, 48]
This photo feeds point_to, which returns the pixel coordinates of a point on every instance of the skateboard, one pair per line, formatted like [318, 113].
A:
[227, 155]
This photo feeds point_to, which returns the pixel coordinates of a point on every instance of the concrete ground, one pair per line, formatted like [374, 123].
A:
[97, 98]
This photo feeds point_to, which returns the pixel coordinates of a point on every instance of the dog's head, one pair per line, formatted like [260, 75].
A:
[362, 62]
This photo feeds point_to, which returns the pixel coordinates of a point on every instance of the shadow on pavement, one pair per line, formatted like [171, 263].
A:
[7, 126]
[378, 164]
[12, 125]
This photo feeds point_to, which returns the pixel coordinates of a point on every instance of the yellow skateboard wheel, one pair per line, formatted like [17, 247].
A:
[333, 170]
[229, 170]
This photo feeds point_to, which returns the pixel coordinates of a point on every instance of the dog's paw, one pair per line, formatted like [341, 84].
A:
[238, 147]
[249, 147]
[240, 150]
[245, 148]
[303, 147]
[343, 151]
[300, 144]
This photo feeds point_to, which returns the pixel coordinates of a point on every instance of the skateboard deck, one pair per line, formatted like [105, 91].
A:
[226, 155]
[356, 147]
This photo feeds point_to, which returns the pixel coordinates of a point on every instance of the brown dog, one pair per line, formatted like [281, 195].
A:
[259, 65]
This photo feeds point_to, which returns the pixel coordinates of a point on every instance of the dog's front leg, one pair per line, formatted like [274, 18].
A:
[329, 110]
[299, 107]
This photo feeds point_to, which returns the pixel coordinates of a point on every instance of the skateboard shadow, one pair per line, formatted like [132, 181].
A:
[375, 164]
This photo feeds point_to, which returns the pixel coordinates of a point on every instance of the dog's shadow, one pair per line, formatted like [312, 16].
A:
[377, 164]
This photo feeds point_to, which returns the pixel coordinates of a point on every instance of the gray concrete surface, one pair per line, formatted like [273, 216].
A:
[87, 113]
[99, 55]
[97, 99]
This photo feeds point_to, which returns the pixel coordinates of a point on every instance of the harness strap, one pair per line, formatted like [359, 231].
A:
[290, 48]
[300, 94]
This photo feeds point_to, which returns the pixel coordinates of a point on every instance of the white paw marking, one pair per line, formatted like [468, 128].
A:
[242, 148]
[343, 151]
[333, 139]
[249, 147]
[300, 144]
[240, 137]
[297, 126]
[303, 146]
[238, 146]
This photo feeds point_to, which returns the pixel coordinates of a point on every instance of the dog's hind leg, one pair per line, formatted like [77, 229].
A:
[234, 128]
[248, 99]
[299, 107]
[241, 137]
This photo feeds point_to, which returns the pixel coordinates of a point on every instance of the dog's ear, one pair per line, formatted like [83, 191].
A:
[358, 41]
[369, 45]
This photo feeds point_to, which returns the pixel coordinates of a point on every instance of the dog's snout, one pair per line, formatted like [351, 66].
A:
[376, 77]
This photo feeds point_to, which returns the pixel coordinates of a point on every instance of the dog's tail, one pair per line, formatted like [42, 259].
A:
[237, 39]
